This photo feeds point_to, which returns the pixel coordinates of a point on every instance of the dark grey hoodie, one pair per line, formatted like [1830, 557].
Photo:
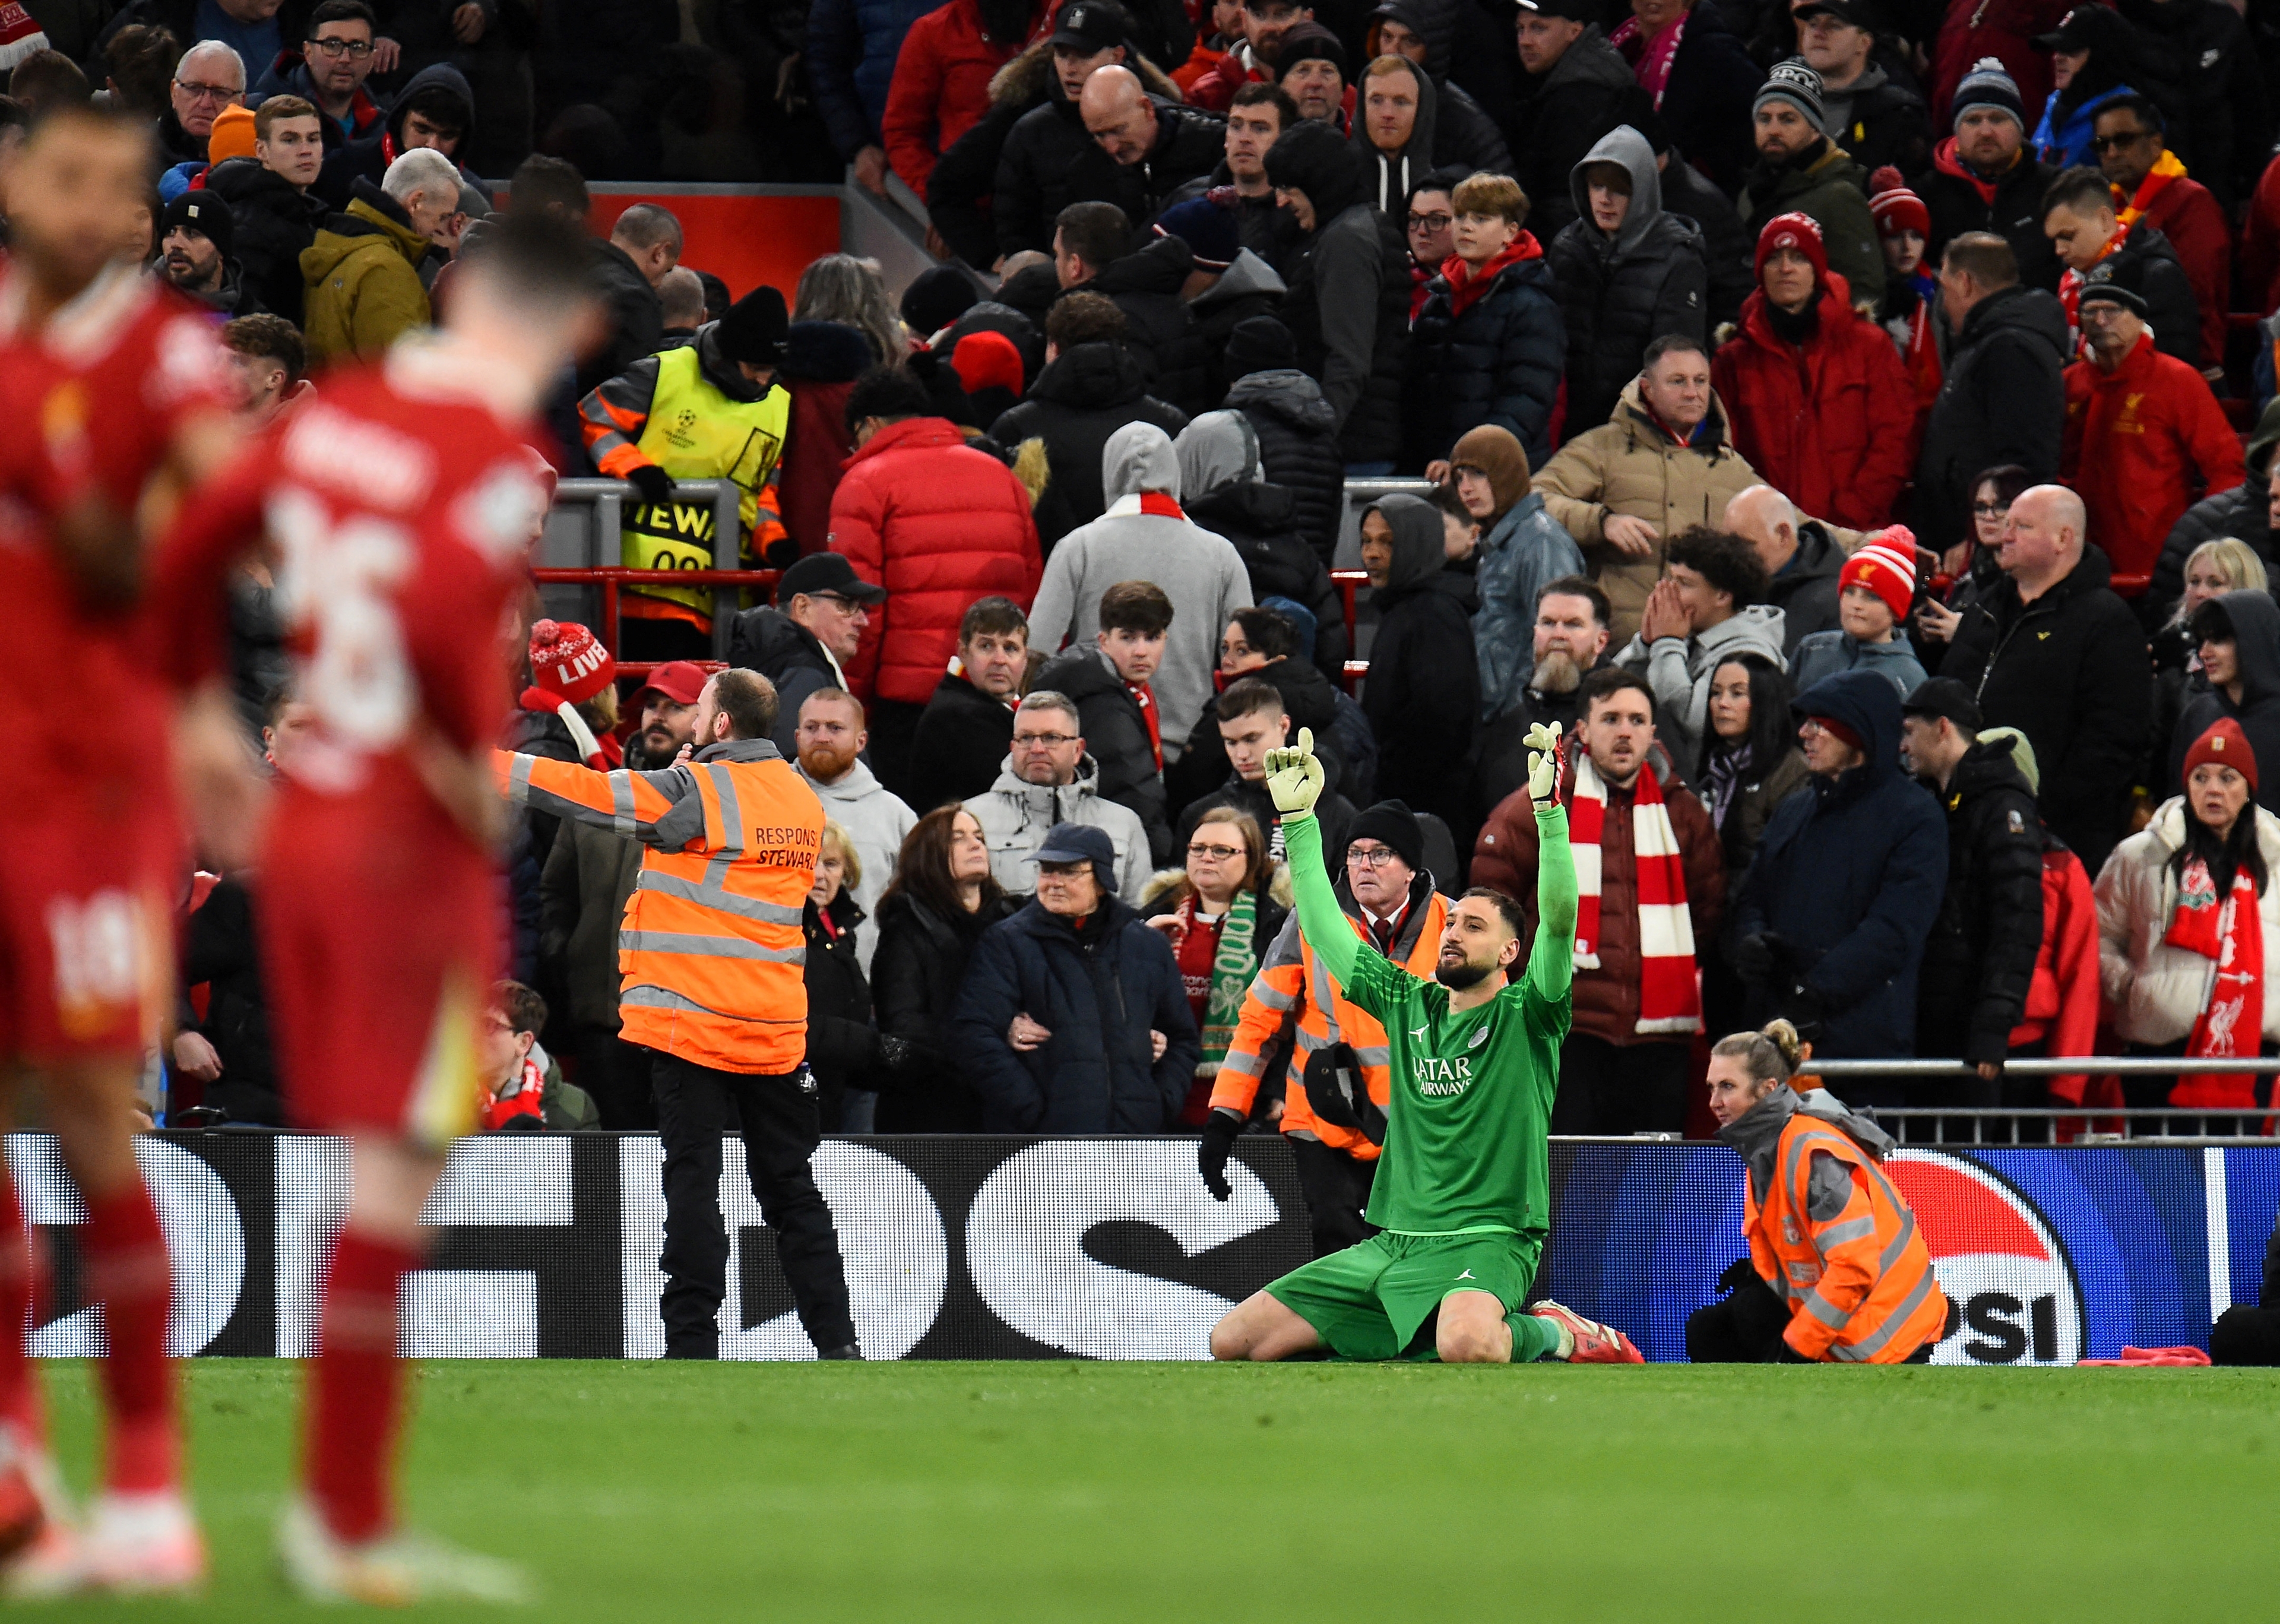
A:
[1388, 176]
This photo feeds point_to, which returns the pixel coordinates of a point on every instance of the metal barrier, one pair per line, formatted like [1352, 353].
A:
[2042, 1124]
[581, 546]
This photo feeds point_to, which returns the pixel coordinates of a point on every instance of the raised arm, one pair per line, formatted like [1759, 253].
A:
[1294, 779]
[1552, 962]
[657, 809]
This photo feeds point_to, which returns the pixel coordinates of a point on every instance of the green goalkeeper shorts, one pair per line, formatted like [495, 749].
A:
[1377, 1300]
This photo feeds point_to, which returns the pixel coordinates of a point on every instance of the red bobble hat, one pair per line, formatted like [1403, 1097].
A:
[2224, 745]
[568, 662]
[1897, 209]
[1886, 565]
[985, 359]
[1801, 232]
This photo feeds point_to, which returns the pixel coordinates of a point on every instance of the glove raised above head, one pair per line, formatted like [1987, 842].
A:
[1294, 775]
[1542, 741]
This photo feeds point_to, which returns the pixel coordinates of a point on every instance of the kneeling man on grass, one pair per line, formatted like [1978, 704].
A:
[1463, 1192]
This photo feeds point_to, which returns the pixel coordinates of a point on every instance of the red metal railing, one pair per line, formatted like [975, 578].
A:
[612, 580]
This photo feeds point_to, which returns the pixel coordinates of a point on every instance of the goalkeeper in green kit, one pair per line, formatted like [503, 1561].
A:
[1463, 1193]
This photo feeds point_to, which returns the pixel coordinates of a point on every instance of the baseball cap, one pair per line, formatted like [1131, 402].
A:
[1092, 26]
[1079, 843]
[1856, 13]
[826, 572]
[1573, 11]
[1944, 696]
[2086, 27]
[680, 681]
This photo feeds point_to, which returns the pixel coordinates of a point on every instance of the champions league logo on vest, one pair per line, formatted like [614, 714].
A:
[2013, 1296]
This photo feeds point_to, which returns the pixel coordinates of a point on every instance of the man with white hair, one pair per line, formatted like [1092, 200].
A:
[2054, 653]
[209, 77]
[362, 278]
[1800, 555]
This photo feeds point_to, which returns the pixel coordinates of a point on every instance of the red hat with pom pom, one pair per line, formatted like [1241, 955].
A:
[568, 662]
[1897, 209]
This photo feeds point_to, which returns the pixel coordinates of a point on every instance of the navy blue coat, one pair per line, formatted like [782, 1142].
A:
[1500, 362]
[1849, 875]
[851, 47]
[1099, 999]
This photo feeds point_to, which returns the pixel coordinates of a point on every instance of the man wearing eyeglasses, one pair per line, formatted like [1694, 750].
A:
[339, 52]
[2152, 187]
[809, 639]
[208, 77]
[1050, 780]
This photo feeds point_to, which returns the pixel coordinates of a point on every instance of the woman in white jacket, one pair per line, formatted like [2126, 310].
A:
[2187, 920]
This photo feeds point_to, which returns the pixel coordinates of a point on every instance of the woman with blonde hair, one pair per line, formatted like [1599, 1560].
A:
[1221, 912]
[843, 288]
[1838, 1272]
[843, 1048]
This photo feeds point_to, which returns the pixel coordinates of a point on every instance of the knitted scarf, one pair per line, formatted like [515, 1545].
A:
[1651, 60]
[1669, 998]
[2129, 211]
[2072, 282]
[1233, 966]
[2231, 1025]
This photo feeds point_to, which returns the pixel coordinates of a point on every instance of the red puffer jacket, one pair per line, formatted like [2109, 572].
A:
[1833, 426]
[941, 88]
[938, 524]
[2143, 444]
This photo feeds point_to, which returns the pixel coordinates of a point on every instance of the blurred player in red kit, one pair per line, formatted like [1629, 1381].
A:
[112, 388]
[399, 505]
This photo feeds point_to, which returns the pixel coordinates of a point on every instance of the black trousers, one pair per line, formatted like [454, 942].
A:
[616, 1074]
[2247, 1335]
[1617, 1089]
[1336, 1187]
[1745, 1328]
[780, 1131]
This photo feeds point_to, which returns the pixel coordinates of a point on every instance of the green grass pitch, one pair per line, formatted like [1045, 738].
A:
[1070, 1492]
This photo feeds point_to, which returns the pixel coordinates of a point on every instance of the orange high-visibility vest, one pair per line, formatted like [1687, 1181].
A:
[712, 947]
[1292, 986]
[1858, 1283]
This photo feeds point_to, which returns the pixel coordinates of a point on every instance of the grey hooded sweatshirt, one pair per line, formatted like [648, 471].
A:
[1202, 573]
[1678, 671]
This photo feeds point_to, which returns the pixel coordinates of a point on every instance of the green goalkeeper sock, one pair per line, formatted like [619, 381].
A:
[1532, 1338]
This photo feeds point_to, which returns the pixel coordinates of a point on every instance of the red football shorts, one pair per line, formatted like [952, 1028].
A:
[380, 955]
[89, 865]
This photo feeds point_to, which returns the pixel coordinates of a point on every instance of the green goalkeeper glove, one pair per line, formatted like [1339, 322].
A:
[1542, 741]
[1294, 776]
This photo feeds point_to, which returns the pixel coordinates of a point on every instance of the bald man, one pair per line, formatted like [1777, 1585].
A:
[2053, 652]
[1800, 555]
[1122, 140]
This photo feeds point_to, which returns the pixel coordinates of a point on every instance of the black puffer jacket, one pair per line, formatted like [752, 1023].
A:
[1619, 294]
[1979, 960]
[916, 971]
[2205, 51]
[1423, 693]
[271, 222]
[1587, 93]
[1308, 700]
[843, 1046]
[1049, 162]
[2242, 513]
[2069, 671]
[1077, 401]
[1116, 737]
[1500, 362]
[1729, 247]
[1250, 286]
[1159, 329]
[1348, 304]
[2003, 400]
[1261, 519]
[1297, 449]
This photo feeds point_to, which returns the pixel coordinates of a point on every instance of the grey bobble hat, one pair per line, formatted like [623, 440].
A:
[1989, 85]
[1793, 82]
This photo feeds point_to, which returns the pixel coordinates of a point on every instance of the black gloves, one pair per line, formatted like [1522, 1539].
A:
[1758, 958]
[1338, 1094]
[654, 483]
[894, 1052]
[1784, 1354]
[1220, 1132]
[1803, 1010]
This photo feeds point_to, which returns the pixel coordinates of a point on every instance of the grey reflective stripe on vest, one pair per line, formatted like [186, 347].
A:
[1238, 1064]
[695, 946]
[1868, 1347]
[646, 997]
[1325, 998]
[1899, 1243]
[732, 816]
[1273, 997]
[1377, 1054]
[1822, 1309]
[1837, 1235]
[621, 802]
[714, 897]
[518, 777]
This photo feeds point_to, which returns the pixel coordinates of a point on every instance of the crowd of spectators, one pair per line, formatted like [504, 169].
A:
[1829, 418]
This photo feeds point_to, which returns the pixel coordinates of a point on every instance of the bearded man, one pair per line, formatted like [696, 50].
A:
[831, 740]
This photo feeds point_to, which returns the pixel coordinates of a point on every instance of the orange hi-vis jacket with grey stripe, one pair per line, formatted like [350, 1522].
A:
[1293, 990]
[712, 948]
[1830, 1233]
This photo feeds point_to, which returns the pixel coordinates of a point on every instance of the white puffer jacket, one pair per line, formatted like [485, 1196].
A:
[2154, 992]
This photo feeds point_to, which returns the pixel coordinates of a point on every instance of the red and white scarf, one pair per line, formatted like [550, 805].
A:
[1670, 999]
[1651, 60]
[2232, 1022]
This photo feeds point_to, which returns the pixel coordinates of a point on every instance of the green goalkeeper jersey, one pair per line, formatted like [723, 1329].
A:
[1470, 1107]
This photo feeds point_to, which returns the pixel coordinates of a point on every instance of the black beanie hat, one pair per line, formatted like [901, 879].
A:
[753, 330]
[1393, 823]
[940, 295]
[1259, 345]
[203, 213]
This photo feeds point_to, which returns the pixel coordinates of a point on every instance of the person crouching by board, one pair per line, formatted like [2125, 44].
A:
[1837, 1272]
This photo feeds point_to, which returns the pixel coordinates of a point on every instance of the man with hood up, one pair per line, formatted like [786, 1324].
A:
[1423, 695]
[1225, 489]
[1832, 917]
[1579, 88]
[1424, 32]
[1627, 274]
[436, 109]
[1146, 535]
[1347, 307]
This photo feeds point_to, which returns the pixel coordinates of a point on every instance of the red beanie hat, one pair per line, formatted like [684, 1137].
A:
[1886, 565]
[569, 662]
[2225, 745]
[984, 360]
[1801, 232]
[1897, 209]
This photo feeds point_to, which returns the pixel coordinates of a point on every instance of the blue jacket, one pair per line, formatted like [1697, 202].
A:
[1526, 551]
[851, 47]
[1099, 999]
[1500, 362]
[2067, 144]
[1824, 654]
[1849, 877]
